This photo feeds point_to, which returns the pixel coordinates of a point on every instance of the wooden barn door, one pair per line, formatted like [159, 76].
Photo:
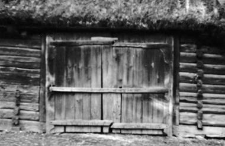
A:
[102, 86]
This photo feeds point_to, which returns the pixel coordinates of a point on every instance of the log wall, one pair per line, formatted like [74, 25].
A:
[201, 90]
[20, 59]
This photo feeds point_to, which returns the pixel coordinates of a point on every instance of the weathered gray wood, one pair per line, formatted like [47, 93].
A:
[216, 99]
[80, 43]
[42, 80]
[207, 108]
[103, 39]
[138, 126]
[19, 76]
[23, 106]
[192, 131]
[19, 61]
[208, 68]
[110, 90]
[112, 75]
[17, 51]
[186, 77]
[206, 58]
[50, 79]
[208, 119]
[23, 115]
[186, 87]
[28, 93]
[176, 117]
[192, 48]
[28, 43]
[142, 45]
[34, 126]
[83, 122]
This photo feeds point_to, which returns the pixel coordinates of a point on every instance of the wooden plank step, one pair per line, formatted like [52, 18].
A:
[104, 123]
[81, 42]
[110, 90]
[142, 45]
[138, 126]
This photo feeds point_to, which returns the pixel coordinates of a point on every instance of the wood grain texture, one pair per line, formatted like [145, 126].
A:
[208, 119]
[104, 123]
[32, 126]
[156, 89]
[206, 58]
[112, 78]
[50, 80]
[23, 43]
[23, 115]
[208, 98]
[206, 88]
[19, 76]
[207, 108]
[209, 131]
[20, 61]
[208, 68]
[42, 80]
[23, 106]
[186, 77]
[18, 51]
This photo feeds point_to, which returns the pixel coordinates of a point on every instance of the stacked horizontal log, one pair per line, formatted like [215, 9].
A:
[20, 73]
[210, 94]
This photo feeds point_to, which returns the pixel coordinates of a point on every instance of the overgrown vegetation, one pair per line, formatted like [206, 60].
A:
[151, 14]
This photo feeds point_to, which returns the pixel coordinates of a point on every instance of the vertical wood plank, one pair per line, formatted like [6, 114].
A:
[42, 80]
[50, 80]
[111, 102]
[71, 76]
[60, 98]
[96, 67]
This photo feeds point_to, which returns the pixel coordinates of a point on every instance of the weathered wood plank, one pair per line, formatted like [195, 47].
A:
[42, 90]
[142, 45]
[207, 108]
[111, 79]
[23, 106]
[34, 126]
[212, 79]
[50, 80]
[206, 58]
[138, 126]
[186, 87]
[192, 131]
[96, 81]
[83, 122]
[26, 97]
[23, 115]
[80, 43]
[217, 99]
[109, 90]
[208, 68]
[21, 62]
[19, 76]
[28, 93]
[28, 43]
[192, 48]
[103, 39]
[15, 51]
[208, 119]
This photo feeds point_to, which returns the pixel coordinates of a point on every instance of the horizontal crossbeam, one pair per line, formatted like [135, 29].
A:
[109, 90]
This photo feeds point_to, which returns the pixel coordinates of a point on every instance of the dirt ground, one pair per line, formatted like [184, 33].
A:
[35, 139]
